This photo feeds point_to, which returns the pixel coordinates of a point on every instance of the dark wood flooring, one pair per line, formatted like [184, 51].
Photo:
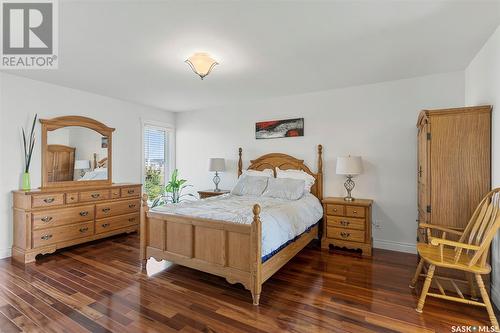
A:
[100, 288]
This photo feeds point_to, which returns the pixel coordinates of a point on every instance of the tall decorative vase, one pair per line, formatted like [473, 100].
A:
[26, 181]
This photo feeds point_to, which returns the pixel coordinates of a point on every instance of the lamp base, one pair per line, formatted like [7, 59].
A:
[349, 186]
[216, 182]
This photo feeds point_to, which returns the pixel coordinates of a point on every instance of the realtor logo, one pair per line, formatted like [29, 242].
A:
[29, 34]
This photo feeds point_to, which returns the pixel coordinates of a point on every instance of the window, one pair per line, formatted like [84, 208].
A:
[157, 157]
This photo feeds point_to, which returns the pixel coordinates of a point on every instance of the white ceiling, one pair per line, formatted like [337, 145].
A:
[134, 50]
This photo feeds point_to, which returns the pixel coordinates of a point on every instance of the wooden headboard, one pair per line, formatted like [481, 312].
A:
[286, 162]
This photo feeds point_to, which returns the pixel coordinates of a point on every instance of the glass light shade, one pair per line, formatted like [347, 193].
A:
[216, 164]
[349, 165]
[82, 164]
[201, 64]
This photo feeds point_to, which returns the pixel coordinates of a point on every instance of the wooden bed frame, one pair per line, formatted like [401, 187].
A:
[229, 250]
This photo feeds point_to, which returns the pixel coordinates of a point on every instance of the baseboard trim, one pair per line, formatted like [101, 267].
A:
[394, 246]
[495, 295]
[5, 253]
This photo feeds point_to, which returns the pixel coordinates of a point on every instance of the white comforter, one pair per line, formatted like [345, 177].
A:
[282, 220]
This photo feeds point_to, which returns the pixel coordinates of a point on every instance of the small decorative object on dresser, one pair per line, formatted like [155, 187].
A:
[216, 165]
[28, 145]
[66, 212]
[347, 224]
[349, 166]
[211, 193]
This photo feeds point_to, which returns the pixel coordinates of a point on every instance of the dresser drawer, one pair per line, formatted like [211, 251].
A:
[115, 193]
[61, 234]
[112, 223]
[117, 208]
[133, 191]
[345, 222]
[355, 211]
[71, 198]
[346, 234]
[332, 209]
[57, 217]
[94, 195]
[47, 200]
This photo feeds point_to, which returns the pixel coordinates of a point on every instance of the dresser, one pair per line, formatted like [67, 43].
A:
[347, 224]
[47, 220]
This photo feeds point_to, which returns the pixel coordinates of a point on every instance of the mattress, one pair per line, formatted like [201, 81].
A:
[282, 220]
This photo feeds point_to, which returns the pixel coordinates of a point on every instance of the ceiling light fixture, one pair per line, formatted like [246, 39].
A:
[201, 63]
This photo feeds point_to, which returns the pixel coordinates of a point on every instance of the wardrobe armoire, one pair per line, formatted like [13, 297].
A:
[454, 164]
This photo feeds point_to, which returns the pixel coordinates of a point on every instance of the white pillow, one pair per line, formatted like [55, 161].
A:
[297, 174]
[284, 188]
[250, 185]
[263, 173]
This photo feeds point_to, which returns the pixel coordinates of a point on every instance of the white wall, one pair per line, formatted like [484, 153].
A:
[375, 121]
[21, 98]
[482, 86]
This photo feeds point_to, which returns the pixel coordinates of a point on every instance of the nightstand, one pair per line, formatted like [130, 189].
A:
[348, 224]
[211, 193]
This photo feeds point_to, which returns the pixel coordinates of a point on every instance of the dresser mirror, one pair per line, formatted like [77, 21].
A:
[75, 151]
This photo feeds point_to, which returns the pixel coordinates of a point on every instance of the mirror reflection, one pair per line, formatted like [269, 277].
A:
[76, 153]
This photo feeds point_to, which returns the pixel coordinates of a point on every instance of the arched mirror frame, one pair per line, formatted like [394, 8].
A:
[60, 122]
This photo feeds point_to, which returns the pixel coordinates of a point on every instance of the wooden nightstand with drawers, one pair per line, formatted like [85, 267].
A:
[211, 193]
[347, 224]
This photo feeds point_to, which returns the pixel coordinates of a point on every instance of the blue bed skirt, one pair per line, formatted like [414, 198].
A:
[270, 255]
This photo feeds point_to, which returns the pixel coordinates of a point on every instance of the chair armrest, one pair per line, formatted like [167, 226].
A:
[438, 241]
[441, 228]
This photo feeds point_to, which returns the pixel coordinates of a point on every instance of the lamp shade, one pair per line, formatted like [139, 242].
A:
[349, 165]
[82, 164]
[216, 164]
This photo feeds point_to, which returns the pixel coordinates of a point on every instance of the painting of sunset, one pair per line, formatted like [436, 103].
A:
[279, 128]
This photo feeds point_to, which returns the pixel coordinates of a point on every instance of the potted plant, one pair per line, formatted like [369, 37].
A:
[29, 144]
[173, 191]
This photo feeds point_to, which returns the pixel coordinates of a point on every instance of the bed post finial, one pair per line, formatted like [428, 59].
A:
[240, 162]
[256, 251]
[320, 173]
[143, 231]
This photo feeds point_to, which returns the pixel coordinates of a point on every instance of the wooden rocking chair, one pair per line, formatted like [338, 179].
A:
[469, 254]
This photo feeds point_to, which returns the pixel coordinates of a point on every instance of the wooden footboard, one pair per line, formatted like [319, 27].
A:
[226, 249]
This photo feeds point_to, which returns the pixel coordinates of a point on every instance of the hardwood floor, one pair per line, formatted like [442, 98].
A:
[99, 287]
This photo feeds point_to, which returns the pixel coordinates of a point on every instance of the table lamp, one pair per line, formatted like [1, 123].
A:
[216, 165]
[349, 166]
[82, 165]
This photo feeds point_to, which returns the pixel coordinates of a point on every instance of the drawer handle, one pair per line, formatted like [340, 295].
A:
[130, 191]
[106, 210]
[95, 195]
[46, 219]
[46, 237]
[335, 209]
[72, 198]
[116, 194]
[132, 206]
[345, 234]
[84, 213]
[132, 219]
[48, 200]
[85, 229]
[345, 223]
[354, 211]
[105, 225]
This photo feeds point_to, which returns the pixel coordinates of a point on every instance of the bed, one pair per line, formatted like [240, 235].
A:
[228, 247]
